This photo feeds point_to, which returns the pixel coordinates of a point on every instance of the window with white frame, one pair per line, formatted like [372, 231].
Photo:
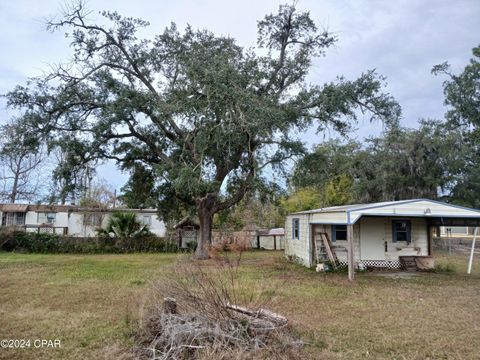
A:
[13, 218]
[295, 229]
[92, 219]
[46, 217]
[19, 218]
[401, 231]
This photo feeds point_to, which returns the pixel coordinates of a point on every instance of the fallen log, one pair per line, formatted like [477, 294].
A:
[274, 317]
[264, 314]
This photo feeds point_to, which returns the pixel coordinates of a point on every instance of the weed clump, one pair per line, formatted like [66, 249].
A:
[444, 268]
[214, 315]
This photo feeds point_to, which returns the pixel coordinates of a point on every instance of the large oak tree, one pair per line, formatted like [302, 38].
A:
[206, 114]
[462, 98]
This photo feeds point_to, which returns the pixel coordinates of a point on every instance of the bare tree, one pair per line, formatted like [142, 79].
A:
[21, 156]
[71, 175]
[99, 194]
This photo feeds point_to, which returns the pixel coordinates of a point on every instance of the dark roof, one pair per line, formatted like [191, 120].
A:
[64, 208]
[14, 207]
[187, 222]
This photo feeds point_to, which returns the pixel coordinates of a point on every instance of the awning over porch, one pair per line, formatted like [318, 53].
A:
[13, 207]
[436, 211]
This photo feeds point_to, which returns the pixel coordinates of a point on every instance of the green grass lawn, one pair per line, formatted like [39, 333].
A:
[92, 302]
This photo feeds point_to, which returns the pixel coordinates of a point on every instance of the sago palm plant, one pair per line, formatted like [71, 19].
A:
[124, 225]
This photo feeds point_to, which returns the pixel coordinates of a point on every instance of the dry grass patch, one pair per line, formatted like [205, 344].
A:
[92, 302]
[210, 310]
[84, 301]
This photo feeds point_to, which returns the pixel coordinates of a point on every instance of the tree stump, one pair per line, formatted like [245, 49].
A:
[169, 305]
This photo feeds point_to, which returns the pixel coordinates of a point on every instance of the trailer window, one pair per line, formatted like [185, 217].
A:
[401, 231]
[13, 218]
[46, 217]
[296, 229]
[339, 232]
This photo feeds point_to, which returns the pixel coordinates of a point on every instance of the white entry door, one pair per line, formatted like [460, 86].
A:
[372, 238]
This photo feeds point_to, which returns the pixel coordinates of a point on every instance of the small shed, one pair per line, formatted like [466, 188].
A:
[269, 239]
[186, 232]
[371, 235]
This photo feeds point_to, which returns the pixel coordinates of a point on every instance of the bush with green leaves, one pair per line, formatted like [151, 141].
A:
[124, 224]
[21, 241]
[444, 268]
[191, 246]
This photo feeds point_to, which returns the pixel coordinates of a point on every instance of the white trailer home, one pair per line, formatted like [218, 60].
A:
[70, 220]
[465, 232]
[377, 234]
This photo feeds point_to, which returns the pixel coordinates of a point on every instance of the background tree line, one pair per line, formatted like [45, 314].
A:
[203, 114]
[438, 160]
[200, 122]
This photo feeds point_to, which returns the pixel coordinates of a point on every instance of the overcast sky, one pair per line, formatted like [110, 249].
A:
[401, 39]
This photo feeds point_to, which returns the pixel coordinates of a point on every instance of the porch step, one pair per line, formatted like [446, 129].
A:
[408, 263]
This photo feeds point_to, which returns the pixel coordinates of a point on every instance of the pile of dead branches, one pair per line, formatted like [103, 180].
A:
[181, 336]
[200, 319]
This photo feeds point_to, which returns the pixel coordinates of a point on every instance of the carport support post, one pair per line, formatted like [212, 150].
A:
[351, 270]
[472, 251]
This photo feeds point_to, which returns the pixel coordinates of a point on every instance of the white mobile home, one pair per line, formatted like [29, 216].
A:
[457, 231]
[375, 234]
[70, 220]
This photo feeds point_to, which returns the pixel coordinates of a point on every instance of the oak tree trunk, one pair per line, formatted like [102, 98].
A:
[205, 214]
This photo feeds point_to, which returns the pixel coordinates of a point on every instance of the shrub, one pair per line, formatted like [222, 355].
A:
[15, 240]
[124, 224]
[444, 268]
[191, 246]
[7, 237]
[147, 243]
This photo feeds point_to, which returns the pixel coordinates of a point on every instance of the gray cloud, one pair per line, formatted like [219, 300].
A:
[401, 39]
